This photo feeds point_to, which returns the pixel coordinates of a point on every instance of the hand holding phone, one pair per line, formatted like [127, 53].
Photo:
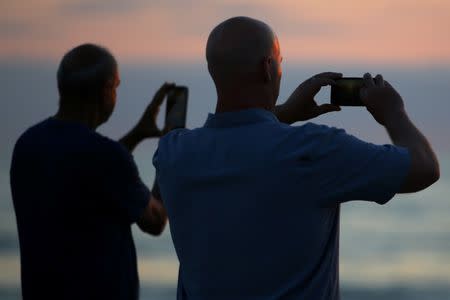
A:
[301, 106]
[146, 126]
[382, 100]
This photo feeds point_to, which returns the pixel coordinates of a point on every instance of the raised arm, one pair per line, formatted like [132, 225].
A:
[154, 218]
[386, 106]
[146, 127]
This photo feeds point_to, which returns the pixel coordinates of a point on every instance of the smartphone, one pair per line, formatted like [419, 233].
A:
[176, 107]
[346, 91]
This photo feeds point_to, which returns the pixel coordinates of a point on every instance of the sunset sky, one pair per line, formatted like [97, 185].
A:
[141, 31]
[402, 246]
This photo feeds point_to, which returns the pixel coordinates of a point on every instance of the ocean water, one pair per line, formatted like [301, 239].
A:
[400, 250]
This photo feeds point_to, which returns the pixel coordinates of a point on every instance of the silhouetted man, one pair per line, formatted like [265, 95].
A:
[76, 193]
[254, 202]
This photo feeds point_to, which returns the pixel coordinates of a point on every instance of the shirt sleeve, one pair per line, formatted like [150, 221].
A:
[123, 185]
[156, 186]
[356, 170]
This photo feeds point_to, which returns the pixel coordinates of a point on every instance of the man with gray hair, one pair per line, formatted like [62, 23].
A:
[76, 193]
[254, 202]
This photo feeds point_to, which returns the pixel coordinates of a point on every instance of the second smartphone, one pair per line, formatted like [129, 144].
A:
[176, 107]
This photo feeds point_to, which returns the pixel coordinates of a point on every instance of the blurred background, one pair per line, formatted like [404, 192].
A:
[397, 251]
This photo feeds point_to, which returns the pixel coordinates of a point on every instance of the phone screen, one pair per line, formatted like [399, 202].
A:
[176, 108]
[346, 92]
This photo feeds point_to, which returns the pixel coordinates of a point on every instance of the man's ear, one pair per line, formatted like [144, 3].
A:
[105, 93]
[104, 96]
[267, 68]
[108, 94]
[107, 88]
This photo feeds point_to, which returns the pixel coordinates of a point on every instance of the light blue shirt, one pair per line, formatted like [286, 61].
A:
[254, 203]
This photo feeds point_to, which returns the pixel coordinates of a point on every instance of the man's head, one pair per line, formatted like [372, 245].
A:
[244, 61]
[87, 80]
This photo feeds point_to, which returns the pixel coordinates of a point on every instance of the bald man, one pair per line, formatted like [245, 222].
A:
[253, 202]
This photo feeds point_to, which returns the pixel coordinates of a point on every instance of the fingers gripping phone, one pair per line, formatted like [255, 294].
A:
[346, 91]
[176, 108]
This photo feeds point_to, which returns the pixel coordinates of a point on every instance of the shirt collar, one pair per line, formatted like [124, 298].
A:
[240, 117]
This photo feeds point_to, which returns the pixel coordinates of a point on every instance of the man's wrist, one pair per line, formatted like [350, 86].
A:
[395, 118]
[281, 114]
[131, 139]
[156, 193]
[137, 135]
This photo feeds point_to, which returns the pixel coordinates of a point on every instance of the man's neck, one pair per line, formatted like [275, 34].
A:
[226, 107]
[88, 119]
[229, 103]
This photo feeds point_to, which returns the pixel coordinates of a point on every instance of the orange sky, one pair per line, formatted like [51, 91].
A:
[383, 31]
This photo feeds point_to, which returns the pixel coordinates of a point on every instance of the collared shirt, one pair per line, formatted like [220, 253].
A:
[254, 203]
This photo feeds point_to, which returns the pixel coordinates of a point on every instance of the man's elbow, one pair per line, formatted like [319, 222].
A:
[421, 178]
[434, 173]
[154, 218]
[155, 229]
[427, 177]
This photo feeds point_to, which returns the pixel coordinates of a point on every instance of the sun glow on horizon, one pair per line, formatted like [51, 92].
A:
[401, 31]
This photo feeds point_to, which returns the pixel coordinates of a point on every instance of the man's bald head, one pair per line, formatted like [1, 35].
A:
[239, 45]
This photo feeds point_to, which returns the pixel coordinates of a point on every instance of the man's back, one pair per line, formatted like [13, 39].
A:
[254, 203]
[74, 228]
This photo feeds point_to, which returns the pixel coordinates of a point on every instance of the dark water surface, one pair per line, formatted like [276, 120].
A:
[397, 251]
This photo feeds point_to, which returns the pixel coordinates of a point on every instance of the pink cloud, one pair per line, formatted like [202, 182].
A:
[378, 31]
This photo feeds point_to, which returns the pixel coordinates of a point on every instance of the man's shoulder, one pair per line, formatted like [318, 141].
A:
[31, 132]
[313, 131]
[32, 138]
[308, 139]
[49, 133]
[307, 131]
[177, 135]
[105, 143]
[110, 152]
[180, 142]
[308, 127]
[314, 128]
